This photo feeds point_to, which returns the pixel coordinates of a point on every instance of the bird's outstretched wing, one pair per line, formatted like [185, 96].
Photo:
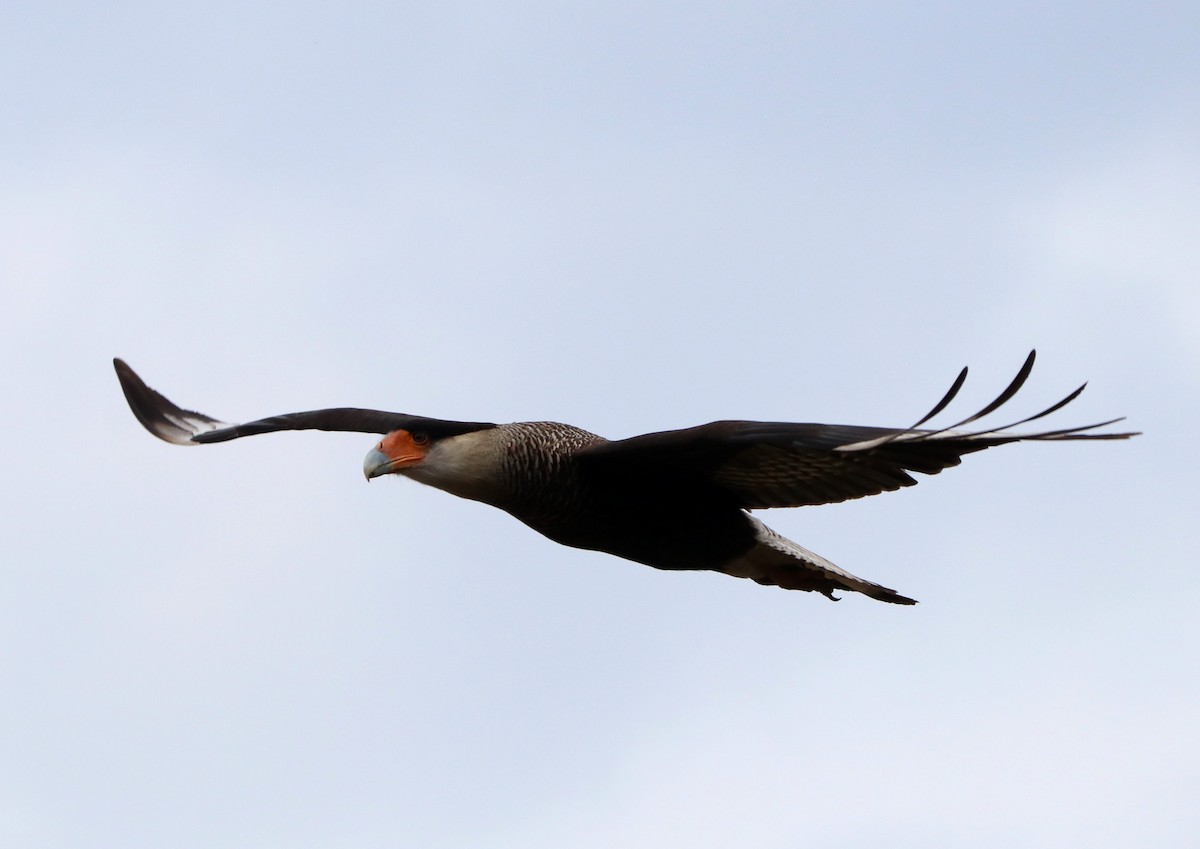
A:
[186, 427]
[778, 464]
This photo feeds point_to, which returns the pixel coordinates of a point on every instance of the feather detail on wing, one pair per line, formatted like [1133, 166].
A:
[158, 415]
[174, 424]
[779, 464]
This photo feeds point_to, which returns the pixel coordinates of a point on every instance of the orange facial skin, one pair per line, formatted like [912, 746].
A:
[398, 450]
[402, 448]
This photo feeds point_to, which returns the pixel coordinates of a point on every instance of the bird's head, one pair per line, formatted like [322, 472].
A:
[399, 450]
[464, 459]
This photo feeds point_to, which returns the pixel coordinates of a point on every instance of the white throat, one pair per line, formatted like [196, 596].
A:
[468, 465]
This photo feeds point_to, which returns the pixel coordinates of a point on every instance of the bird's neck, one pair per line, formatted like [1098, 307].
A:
[469, 465]
[524, 468]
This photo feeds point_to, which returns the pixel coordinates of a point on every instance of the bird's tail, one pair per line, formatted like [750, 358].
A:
[779, 562]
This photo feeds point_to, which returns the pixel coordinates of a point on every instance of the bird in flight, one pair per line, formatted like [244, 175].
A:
[676, 500]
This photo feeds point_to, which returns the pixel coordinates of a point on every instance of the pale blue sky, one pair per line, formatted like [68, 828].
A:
[630, 218]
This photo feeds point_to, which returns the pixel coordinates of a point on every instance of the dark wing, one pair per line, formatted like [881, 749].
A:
[778, 464]
[186, 427]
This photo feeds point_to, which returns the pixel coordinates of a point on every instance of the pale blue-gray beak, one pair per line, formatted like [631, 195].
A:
[376, 463]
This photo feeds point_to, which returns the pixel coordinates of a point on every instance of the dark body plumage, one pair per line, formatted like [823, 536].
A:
[672, 500]
[565, 486]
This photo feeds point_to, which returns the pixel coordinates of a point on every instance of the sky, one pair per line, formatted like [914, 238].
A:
[629, 217]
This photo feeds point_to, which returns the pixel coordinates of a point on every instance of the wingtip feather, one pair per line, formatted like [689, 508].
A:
[157, 413]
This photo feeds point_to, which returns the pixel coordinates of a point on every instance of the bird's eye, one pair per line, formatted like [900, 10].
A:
[420, 438]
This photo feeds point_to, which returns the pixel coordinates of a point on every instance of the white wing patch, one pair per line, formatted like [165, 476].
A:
[179, 426]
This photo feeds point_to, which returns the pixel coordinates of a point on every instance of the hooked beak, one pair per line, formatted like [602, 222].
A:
[395, 452]
[376, 463]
